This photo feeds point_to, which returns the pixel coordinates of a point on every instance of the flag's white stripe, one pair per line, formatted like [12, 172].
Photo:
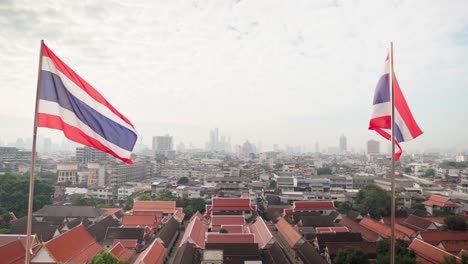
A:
[75, 90]
[385, 109]
[53, 108]
[386, 68]
[405, 132]
[382, 109]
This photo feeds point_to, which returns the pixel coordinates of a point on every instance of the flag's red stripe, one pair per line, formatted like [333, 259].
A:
[74, 134]
[405, 112]
[62, 67]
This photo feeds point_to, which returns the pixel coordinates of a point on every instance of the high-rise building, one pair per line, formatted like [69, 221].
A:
[373, 147]
[317, 147]
[86, 154]
[343, 144]
[162, 144]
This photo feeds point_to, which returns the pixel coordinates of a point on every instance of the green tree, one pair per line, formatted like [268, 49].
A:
[272, 184]
[374, 201]
[278, 166]
[343, 207]
[351, 255]
[144, 197]
[190, 206]
[402, 254]
[223, 231]
[449, 260]
[408, 170]
[429, 173]
[183, 181]
[455, 222]
[418, 206]
[324, 171]
[105, 257]
[14, 193]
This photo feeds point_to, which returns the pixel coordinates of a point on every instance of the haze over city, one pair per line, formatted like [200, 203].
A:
[267, 71]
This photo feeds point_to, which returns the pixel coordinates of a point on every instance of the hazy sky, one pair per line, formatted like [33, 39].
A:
[286, 72]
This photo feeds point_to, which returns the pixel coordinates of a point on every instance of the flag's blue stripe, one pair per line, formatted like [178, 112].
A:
[382, 91]
[53, 89]
[398, 134]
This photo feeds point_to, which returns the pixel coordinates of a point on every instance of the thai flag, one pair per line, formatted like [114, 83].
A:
[406, 127]
[69, 103]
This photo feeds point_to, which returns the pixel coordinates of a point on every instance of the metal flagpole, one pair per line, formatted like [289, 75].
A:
[392, 221]
[33, 164]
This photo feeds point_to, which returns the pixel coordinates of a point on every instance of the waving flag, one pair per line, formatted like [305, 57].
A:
[406, 127]
[69, 103]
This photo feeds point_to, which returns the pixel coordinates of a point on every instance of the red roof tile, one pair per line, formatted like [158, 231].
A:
[195, 233]
[230, 204]
[313, 206]
[70, 245]
[428, 252]
[179, 215]
[435, 237]
[338, 229]
[418, 223]
[122, 253]
[154, 254]
[440, 201]
[127, 243]
[8, 238]
[407, 231]
[234, 229]
[218, 220]
[218, 238]
[111, 211]
[287, 212]
[454, 246]
[167, 207]
[381, 229]
[138, 221]
[200, 217]
[86, 254]
[263, 236]
[12, 252]
[367, 234]
[288, 233]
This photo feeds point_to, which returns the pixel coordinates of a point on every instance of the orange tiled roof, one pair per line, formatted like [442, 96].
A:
[12, 252]
[111, 211]
[195, 233]
[428, 252]
[179, 215]
[313, 206]
[218, 220]
[367, 234]
[127, 243]
[122, 253]
[234, 229]
[262, 233]
[381, 229]
[440, 201]
[454, 246]
[417, 223]
[138, 220]
[288, 232]
[167, 207]
[407, 231]
[200, 217]
[154, 254]
[70, 245]
[218, 238]
[333, 229]
[435, 237]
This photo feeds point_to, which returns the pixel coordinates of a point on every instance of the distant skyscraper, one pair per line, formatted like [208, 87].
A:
[161, 144]
[343, 144]
[373, 147]
[47, 147]
[317, 147]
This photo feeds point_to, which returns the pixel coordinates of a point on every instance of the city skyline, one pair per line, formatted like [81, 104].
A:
[266, 77]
